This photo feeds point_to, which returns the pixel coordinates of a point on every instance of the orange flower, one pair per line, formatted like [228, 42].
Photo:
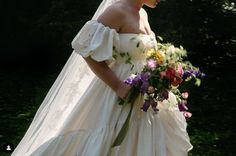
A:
[159, 57]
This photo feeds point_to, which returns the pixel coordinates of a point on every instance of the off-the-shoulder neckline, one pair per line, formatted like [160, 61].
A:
[153, 34]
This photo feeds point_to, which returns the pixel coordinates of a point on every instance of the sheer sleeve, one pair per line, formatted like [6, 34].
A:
[97, 41]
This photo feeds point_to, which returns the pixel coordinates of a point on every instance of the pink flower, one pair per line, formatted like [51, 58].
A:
[163, 74]
[179, 71]
[151, 63]
[187, 114]
[185, 95]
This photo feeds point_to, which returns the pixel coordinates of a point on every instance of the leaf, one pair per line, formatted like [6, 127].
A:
[198, 82]
[137, 44]
[160, 38]
[122, 54]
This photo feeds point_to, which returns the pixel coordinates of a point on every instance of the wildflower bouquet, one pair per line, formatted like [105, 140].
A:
[164, 71]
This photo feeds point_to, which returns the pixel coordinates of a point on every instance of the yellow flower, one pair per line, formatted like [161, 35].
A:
[150, 52]
[159, 57]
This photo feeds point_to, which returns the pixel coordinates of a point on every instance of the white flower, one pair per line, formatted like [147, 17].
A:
[170, 50]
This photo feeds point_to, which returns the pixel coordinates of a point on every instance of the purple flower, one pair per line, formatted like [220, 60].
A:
[186, 74]
[137, 80]
[129, 80]
[182, 107]
[196, 73]
[144, 87]
[146, 105]
[145, 76]
[154, 105]
[151, 63]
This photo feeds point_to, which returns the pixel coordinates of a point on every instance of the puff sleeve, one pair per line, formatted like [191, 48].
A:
[96, 40]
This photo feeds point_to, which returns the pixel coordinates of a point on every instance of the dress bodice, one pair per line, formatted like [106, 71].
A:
[133, 47]
[104, 43]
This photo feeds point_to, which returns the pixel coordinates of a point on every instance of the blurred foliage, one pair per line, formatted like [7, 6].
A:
[36, 42]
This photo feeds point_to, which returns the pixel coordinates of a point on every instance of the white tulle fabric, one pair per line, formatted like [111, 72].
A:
[80, 115]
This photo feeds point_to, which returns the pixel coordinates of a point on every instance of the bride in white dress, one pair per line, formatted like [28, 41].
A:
[80, 115]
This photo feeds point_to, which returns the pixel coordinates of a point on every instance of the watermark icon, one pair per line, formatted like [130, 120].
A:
[8, 147]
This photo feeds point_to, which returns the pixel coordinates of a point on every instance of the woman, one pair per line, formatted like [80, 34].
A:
[80, 114]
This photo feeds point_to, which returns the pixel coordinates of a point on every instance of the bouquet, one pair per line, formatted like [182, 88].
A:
[165, 71]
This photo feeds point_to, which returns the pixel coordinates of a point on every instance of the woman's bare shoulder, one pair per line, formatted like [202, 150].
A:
[144, 13]
[113, 16]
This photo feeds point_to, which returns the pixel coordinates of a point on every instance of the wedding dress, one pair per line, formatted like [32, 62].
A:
[88, 118]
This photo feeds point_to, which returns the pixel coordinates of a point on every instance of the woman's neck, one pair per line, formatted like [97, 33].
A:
[135, 4]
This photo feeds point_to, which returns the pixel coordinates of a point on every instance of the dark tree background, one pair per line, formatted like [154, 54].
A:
[36, 42]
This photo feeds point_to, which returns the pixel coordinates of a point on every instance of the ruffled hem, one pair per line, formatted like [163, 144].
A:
[95, 142]
[162, 134]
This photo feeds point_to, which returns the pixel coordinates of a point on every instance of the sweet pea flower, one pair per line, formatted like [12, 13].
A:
[187, 114]
[185, 95]
[146, 105]
[182, 107]
[179, 71]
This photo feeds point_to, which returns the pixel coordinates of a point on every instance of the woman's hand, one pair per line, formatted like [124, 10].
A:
[123, 90]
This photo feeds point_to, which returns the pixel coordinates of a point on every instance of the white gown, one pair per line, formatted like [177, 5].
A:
[88, 118]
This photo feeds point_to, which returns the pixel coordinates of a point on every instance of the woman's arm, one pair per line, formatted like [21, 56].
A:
[101, 69]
